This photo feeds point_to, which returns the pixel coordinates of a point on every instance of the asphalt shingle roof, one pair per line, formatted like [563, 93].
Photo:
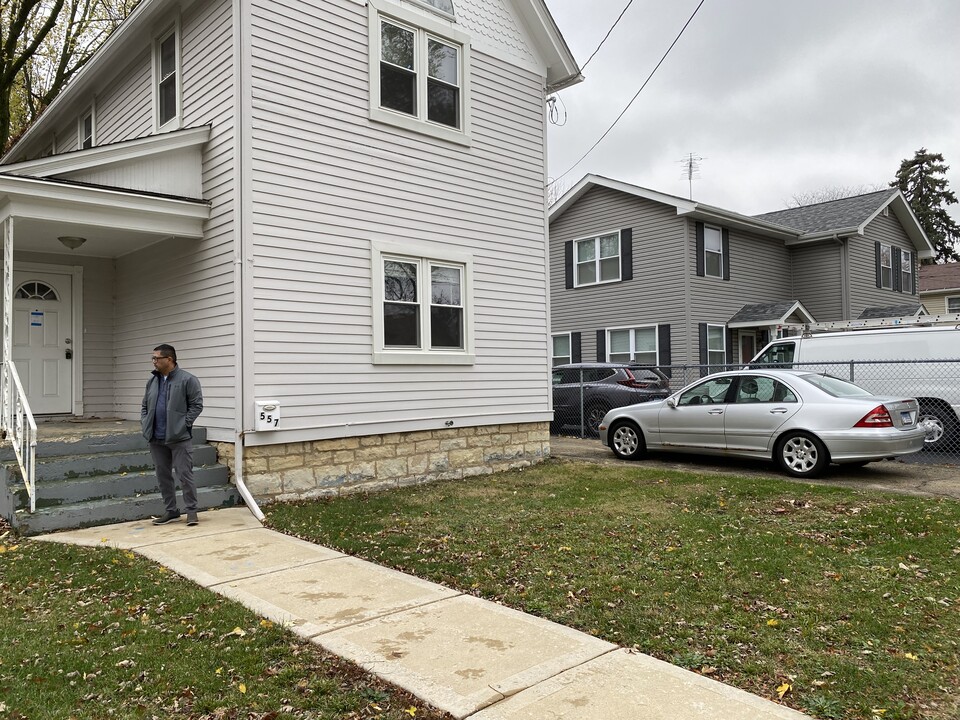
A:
[759, 312]
[889, 311]
[940, 277]
[831, 215]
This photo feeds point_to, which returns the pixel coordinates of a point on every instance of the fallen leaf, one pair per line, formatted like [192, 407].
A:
[772, 622]
[242, 688]
[783, 690]
[911, 656]
[411, 711]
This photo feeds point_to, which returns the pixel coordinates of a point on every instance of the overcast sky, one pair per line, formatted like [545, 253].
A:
[778, 97]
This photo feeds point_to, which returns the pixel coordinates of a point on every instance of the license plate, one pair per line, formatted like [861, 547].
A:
[906, 417]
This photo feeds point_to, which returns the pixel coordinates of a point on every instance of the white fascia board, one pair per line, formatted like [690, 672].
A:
[125, 151]
[811, 238]
[903, 211]
[562, 68]
[728, 218]
[41, 200]
[589, 181]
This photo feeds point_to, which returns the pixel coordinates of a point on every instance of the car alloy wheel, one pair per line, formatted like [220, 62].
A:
[626, 441]
[802, 455]
[594, 417]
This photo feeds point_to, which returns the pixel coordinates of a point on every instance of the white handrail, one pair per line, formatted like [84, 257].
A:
[18, 422]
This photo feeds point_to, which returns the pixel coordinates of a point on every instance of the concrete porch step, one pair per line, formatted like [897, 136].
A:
[76, 466]
[113, 510]
[73, 439]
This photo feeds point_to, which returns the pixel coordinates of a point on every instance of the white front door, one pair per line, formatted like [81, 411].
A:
[42, 342]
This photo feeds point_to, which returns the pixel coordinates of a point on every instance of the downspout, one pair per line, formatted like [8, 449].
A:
[239, 246]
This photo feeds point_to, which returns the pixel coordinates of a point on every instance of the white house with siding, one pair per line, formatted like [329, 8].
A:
[335, 211]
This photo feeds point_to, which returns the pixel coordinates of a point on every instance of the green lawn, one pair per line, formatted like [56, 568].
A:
[100, 633]
[845, 603]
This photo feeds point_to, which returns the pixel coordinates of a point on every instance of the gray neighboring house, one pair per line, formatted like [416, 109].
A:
[640, 275]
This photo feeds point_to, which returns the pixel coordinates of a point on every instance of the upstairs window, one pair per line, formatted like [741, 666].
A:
[953, 304]
[167, 79]
[597, 260]
[906, 271]
[712, 252]
[419, 73]
[885, 267]
[561, 349]
[85, 130]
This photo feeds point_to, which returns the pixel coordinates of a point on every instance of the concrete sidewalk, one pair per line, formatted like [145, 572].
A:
[472, 658]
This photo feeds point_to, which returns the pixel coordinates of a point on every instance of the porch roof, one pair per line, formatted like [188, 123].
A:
[771, 313]
[113, 221]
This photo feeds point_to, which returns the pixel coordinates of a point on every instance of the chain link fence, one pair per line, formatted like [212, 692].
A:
[583, 393]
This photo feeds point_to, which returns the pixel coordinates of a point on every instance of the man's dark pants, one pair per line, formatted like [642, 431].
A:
[178, 457]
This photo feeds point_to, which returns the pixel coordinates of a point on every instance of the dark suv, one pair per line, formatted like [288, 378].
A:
[598, 387]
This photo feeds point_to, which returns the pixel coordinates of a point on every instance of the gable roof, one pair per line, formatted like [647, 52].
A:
[136, 32]
[891, 311]
[770, 313]
[796, 226]
[940, 277]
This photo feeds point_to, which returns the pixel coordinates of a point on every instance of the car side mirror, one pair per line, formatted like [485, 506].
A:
[671, 402]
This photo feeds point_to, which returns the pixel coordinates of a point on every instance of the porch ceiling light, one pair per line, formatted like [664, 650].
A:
[72, 241]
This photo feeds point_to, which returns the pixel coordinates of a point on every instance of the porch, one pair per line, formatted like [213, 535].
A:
[97, 470]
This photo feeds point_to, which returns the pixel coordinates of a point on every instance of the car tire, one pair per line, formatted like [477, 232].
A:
[940, 424]
[626, 440]
[592, 418]
[802, 455]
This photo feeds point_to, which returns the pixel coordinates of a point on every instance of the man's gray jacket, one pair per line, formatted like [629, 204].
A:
[184, 404]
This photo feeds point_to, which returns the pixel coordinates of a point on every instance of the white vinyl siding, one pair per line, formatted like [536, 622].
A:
[864, 292]
[326, 181]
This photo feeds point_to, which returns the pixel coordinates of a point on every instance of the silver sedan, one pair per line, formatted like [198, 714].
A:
[803, 421]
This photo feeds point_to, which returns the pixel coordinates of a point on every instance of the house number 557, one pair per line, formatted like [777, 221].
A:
[268, 419]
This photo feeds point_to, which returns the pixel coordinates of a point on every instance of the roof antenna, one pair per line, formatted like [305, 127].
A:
[691, 168]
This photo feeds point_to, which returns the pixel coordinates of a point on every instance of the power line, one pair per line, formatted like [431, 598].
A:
[652, 72]
[606, 36]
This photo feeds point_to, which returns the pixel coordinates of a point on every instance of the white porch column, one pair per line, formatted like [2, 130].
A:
[7, 419]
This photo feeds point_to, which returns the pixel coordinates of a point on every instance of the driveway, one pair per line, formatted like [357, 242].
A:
[910, 478]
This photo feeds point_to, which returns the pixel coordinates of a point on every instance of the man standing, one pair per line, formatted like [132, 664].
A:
[171, 404]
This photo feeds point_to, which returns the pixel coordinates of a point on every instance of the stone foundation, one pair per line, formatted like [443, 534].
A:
[324, 468]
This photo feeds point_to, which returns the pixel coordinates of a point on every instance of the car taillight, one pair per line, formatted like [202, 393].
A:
[632, 382]
[878, 417]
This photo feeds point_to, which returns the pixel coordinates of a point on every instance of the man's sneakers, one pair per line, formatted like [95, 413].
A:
[192, 519]
[166, 518]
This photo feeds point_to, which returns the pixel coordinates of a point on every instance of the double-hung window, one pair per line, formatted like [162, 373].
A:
[597, 259]
[85, 130]
[712, 252]
[953, 304]
[906, 271]
[422, 312]
[419, 72]
[716, 345]
[166, 67]
[633, 345]
[561, 349]
[886, 267]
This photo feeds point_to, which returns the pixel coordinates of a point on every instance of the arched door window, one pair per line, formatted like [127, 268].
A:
[36, 290]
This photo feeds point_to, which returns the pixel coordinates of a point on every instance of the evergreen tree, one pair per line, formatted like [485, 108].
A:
[921, 180]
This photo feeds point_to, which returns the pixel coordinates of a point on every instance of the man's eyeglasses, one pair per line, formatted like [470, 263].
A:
[158, 358]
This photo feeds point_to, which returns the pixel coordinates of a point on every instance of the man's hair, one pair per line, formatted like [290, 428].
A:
[167, 351]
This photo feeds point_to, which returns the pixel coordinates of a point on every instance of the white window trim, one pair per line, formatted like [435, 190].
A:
[723, 348]
[90, 111]
[596, 239]
[423, 253]
[569, 356]
[906, 255]
[889, 248]
[706, 271]
[422, 22]
[633, 340]
[177, 121]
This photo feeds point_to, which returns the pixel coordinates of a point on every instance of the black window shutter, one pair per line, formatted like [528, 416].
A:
[568, 263]
[703, 343]
[575, 347]
[700, 270]
[663, 343]
[895, 269]
[726, 253]
[626, 254]
[731, 360]
[601, 345]
[913, 274]
[876, 256]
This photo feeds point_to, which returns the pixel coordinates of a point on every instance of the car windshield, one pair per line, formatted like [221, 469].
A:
[835, 386]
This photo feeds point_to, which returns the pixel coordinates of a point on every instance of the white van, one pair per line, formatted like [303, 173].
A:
[920, 362]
